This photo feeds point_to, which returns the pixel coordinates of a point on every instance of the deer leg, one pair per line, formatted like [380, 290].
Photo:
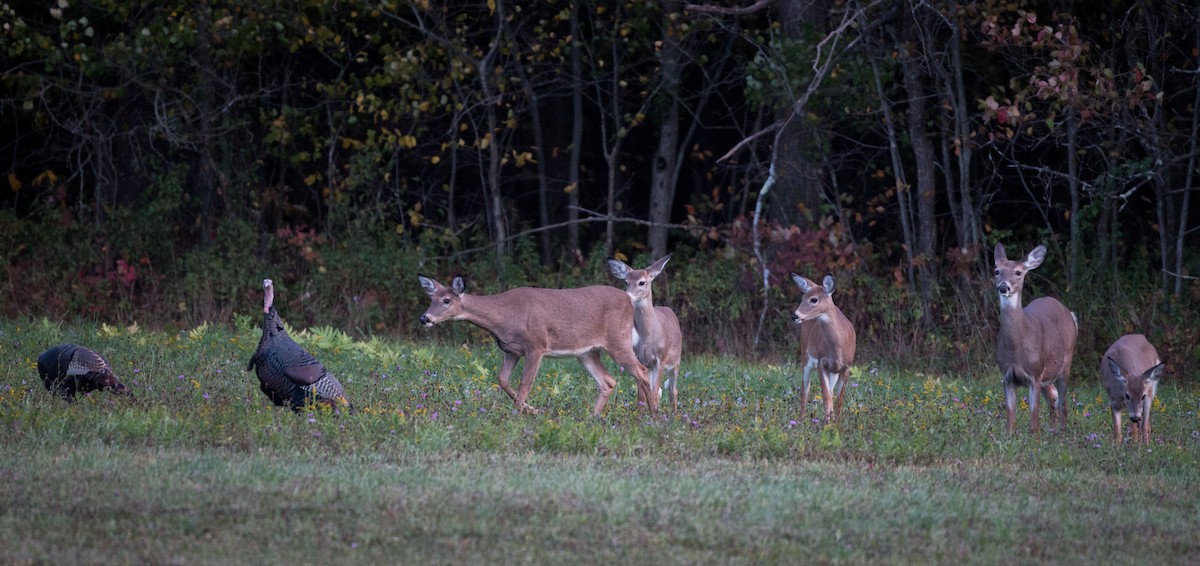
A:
[1116, 416]
[1010, 401]
[840, 396]
[1051, 395]
[604, 380]
[827, 393]
[1034, 427]
[804, 383]
[533, 362]
[629, 361]
[506, 368]
[655, 372]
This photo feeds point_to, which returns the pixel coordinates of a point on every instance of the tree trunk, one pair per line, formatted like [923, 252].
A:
[923, 154]
[665, 165]
[576, 134]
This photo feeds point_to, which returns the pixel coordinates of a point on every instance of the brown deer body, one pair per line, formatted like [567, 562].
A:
[658, 340]
[534, 323]
[829, 342]
[1035, 344]
[1130, 370]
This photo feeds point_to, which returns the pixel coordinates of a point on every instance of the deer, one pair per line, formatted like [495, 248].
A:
[1130, 370]
[535, 323]
[1035, 344]
[829, 342]
[657, 338]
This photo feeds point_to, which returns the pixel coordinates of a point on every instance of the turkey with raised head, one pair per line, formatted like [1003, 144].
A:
[67, 369]
[286, 372]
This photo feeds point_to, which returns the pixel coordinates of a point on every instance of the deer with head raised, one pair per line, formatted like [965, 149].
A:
[1036, 343]
[534, 323]
[1130, 370]
[658, 341]
[829, 342]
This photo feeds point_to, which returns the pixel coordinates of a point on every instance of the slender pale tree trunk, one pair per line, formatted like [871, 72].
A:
[576, 134]
[665, 165]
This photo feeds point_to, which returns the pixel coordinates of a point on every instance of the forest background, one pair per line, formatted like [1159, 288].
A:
[161, 158]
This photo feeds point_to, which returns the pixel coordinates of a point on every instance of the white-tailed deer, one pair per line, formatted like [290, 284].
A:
[1035, 344]
[1129, 371]
[535, 323]
[657, 339]
[829, 342]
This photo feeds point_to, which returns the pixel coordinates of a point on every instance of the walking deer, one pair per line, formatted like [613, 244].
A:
[1130, 371]
[829, 342]
[1035, 344]
[534, 323]
[657, 339]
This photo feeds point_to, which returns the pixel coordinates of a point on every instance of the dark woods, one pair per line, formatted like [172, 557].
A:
[161, 158]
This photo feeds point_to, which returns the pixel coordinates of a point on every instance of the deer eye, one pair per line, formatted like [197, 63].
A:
[812, 301]
[1127, 396]
[641, 283]
[446, 301]
[1017, 273]
[997, 273]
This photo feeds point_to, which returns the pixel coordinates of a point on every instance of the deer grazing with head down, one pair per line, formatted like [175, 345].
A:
[534, 323]
[1130, 370]
[1035, 344]
[829, 342]
[658, 341]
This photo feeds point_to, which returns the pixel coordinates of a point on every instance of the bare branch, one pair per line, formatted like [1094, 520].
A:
[595, 217]
[754, 8]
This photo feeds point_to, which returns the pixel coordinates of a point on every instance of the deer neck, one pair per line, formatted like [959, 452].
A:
[645, 319]
[1012, 319]
[488, 312]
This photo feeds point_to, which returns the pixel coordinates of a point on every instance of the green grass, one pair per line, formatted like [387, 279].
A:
[436, 467]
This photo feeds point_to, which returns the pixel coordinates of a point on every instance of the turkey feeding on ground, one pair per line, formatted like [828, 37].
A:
[287, 374]
[67, 369]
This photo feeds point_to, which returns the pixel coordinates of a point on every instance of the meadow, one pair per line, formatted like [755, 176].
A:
[435, 466]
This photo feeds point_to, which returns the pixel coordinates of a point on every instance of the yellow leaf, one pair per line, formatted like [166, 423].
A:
[14, 182]
[569, 188]
[491, 7]
[435, 160]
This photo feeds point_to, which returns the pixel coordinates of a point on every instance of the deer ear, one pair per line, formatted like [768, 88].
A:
[458, 285]
[657, 267]
[428, 285]
[1115, 369]
[1035, 257]
[999, 254]
[802, 283]
[827, 284]
[1155, 372]
[618, 268]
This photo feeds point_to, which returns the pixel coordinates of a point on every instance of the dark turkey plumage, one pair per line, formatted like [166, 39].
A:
[287, 374]
[67, 369]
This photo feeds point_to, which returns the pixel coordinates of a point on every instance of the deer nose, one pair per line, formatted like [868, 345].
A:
[1003, 288]
[1134, 418]
[425, 319]
[795, 317]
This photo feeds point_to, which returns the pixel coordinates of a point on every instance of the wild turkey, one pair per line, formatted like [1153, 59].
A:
[68, 369]
[286, 373]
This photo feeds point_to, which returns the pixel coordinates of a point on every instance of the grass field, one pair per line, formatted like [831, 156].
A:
[435, 467]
